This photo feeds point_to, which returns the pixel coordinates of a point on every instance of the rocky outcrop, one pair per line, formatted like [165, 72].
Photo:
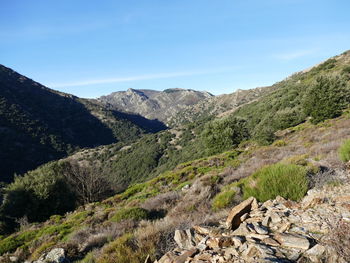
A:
[152, 104]
[220, 105]
[274, 231]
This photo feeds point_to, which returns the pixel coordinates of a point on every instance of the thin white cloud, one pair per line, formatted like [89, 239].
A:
[137, 78]
[294, 54]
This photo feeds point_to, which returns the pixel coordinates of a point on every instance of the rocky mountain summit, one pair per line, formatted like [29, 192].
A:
[152, 104]
[277, 230]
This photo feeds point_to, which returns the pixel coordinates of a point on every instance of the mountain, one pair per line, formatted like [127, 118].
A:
[276, 149]
[218, 106]
[38, 124]
[151, 104]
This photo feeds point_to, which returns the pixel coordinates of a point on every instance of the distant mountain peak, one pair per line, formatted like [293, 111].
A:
[153, 104]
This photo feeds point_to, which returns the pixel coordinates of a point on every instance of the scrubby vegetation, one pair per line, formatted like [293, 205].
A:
[221, 135]
[344, 151]
[286, 180]
[224, 199]
[321, 94]
[135, 213]
[326, 98]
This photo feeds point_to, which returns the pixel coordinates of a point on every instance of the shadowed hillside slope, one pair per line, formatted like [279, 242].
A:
[38, 124]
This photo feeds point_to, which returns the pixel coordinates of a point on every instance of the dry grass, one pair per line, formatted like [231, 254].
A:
[161, 201]
[339, 238]
[89, 238]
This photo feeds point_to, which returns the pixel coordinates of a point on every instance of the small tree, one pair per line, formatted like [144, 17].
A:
[88, 185]
[220, 135]
[326, 98]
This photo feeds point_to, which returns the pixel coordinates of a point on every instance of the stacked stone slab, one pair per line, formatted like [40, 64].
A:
[277, 230]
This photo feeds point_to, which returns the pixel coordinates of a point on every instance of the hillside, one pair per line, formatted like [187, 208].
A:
[38, 124]
[218, 106]
[151, 104]
[198, 195]
[275, 108]
[284, 143]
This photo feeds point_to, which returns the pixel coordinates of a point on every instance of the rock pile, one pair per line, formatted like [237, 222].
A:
[274, 231]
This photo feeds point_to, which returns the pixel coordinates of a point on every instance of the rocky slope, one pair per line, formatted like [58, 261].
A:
[151, 104]
[277, 230]
[218, 106]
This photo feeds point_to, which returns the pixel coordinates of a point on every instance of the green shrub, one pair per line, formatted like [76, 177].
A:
[38, 195]
[344, 151]
[287, 180]
[223, 134]
[326, 98]
[135, 213]
[346, 70]
[265, 135]
[125, 250]
[223, 199]
[12, 242]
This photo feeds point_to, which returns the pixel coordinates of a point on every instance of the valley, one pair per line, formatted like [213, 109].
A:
[114, 179]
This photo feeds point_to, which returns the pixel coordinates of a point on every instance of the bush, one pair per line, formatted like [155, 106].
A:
[344, 151]
[37, 195]
[125, 250]
[11, 243]
[220, 135]
[223, 199]
[265, 135]
[286, 180]
[326, 99]
[135, 213]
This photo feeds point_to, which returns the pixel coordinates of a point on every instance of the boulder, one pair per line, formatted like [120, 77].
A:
[292, 241]
[56, 255]
[234, 218]
[315, 253]
[220, 242]
[185, 255]
[184, 239]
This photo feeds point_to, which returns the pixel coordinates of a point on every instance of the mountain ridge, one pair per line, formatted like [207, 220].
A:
[153, 104]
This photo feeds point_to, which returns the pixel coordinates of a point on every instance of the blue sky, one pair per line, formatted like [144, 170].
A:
[92, 48]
